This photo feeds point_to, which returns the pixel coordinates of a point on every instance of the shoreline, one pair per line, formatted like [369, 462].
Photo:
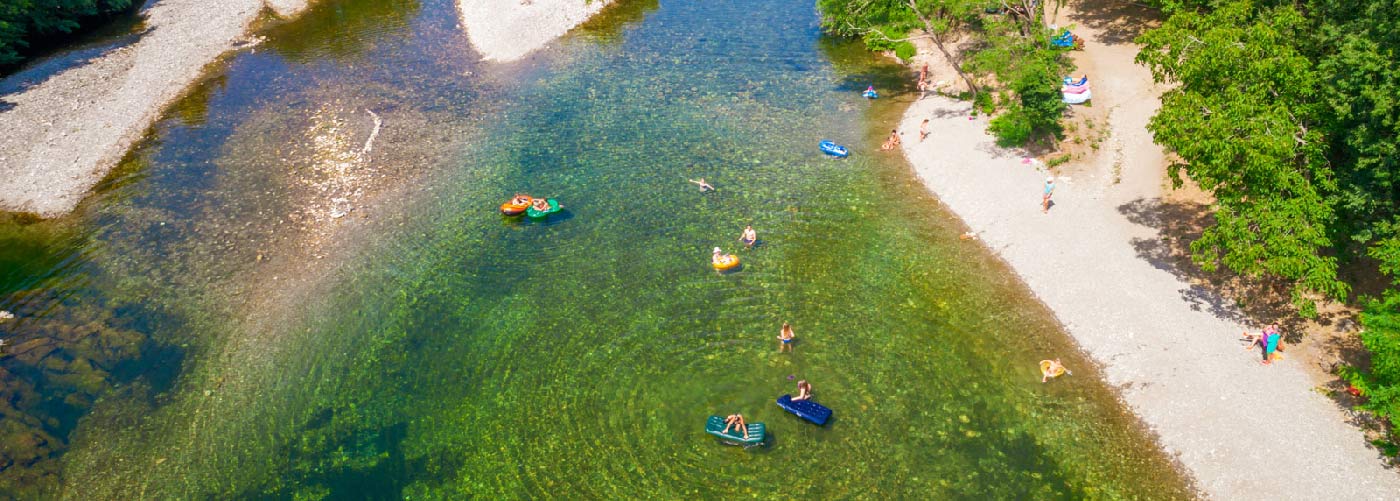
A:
[1168, 346]
[507, 30]
[69, 130]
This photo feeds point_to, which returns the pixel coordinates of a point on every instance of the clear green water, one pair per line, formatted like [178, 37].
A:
[442, 351]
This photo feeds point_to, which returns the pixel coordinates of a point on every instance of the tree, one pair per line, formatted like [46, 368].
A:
[881, 22]
[22, 21]
[1244, 119]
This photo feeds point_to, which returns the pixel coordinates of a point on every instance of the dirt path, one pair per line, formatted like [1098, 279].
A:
[1241, 429]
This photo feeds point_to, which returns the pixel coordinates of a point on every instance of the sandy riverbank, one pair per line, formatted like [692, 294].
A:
[506, 30]
[64, 133]
[1241, 429]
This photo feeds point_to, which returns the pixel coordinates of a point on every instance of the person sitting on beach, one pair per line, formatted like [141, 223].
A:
[736, 421]
[785, 337]
[540, 204]
[804, 391]
[923, 130]
[704, 186]
[749, 236]
[892, 141]
[1053, 369]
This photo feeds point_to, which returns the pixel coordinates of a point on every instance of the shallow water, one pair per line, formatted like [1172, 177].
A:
[433, 349]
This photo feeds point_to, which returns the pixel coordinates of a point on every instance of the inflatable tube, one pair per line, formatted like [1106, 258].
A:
[757, 432]
[725, 262]
[870, 94]
[510, 208]
[833, 149]
[1082, 81]
[806, 409]
[538, 214]
[1076, 98]
[1045, 369]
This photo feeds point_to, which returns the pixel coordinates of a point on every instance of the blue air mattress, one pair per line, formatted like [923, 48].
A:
[805, 409]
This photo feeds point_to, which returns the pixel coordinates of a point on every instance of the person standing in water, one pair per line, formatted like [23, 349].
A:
[785, 338]
[749, 237]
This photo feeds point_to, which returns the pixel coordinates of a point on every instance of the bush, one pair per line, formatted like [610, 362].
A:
[1380, 322]
[983, 102]
[1012, 128]
[905, 51]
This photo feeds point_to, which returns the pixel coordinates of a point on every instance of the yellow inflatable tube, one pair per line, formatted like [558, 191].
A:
[725, 262]
[1045, 369]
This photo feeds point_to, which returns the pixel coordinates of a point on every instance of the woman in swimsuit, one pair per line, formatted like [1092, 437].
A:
[749, 236]
[540, 204]
[804, 391]
[785, 337]
[736, 421]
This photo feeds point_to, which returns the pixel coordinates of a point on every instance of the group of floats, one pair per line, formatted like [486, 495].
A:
[533, 208]
[756, 434]
[1076, 91]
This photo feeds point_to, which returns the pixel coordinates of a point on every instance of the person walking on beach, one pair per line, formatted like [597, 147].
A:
[923, 130]
[785, 337]
[1049, 190]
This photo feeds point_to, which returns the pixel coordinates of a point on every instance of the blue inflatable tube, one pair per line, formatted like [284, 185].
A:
[805, 409]
[833, 149]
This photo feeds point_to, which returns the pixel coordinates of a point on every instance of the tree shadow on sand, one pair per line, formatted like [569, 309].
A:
[1247, 299]
[1117, 21]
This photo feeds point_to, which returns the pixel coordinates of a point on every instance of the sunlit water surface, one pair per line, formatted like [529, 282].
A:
[305, 318]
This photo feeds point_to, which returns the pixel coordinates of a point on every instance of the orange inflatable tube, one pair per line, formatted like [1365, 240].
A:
[510, 208]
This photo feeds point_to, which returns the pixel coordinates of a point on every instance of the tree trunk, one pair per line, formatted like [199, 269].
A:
[942, 47]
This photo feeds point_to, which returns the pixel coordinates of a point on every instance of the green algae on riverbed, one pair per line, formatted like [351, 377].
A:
[463, 354]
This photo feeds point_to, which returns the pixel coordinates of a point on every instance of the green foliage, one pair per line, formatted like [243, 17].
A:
[1381, 336]
[904, 51]
[22, 21]
[1012, 128]
[1241, 121]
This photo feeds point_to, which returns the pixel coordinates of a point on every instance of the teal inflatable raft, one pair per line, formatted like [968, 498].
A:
[541, 214]
[757, 433]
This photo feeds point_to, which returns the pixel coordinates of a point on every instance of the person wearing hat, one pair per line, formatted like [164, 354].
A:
[1049, 189]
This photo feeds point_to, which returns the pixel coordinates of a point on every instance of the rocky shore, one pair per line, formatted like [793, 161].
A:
[506, 30]
[65, 132]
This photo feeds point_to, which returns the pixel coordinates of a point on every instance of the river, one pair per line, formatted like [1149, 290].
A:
[273, 297]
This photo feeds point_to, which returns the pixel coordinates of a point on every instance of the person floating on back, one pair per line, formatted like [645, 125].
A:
[785, 337]
[749, 237]
[804, 391]
[736, 421]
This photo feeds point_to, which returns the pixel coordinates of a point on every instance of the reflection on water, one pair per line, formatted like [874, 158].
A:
[409, 342]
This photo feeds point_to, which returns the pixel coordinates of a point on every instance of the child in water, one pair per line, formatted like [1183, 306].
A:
[785, 338]
[804, 391]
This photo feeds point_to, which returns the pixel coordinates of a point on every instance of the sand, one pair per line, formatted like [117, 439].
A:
[64, 133]
[1241, 429]
[507, 30]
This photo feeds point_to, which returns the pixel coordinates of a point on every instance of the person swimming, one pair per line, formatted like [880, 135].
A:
[704, 186]
[804, 391]
[736, 421]
[749, 237]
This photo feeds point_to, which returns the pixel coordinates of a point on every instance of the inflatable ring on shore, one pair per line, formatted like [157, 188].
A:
[725, 262]
[1045, 369]
[510, 208]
